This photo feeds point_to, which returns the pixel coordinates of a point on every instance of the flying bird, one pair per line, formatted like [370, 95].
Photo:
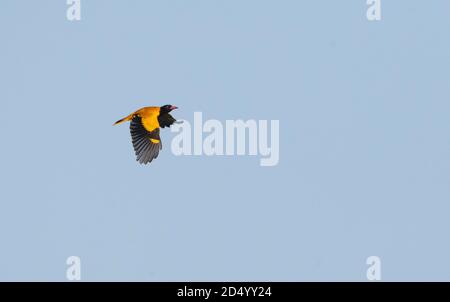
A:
[144, 128]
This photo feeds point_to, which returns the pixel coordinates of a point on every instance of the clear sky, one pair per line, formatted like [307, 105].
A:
[364, 140]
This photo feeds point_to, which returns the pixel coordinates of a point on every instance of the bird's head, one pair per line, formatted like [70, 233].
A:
[167, 108]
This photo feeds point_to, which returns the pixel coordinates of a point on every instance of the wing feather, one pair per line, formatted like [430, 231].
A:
[146, 150]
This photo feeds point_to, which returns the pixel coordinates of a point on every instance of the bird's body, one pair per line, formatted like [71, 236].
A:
[144, 128]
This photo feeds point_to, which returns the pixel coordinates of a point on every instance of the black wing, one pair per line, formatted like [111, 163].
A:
[165, 120]
[146, 144]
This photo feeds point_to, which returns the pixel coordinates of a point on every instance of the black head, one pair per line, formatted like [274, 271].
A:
[167, 108]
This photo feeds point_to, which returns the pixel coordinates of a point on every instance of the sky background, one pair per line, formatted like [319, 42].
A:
[364, 140]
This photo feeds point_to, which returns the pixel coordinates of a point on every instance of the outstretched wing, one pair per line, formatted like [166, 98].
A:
[165, 120]
[146, 143]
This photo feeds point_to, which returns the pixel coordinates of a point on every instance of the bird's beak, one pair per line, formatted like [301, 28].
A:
[173, 107]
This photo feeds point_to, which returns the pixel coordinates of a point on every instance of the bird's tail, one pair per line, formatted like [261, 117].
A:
[125, 119]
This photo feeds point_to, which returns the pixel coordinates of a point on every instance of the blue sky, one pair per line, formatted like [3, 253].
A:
[364, 140]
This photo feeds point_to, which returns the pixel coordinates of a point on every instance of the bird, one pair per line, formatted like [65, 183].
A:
[144, 128]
